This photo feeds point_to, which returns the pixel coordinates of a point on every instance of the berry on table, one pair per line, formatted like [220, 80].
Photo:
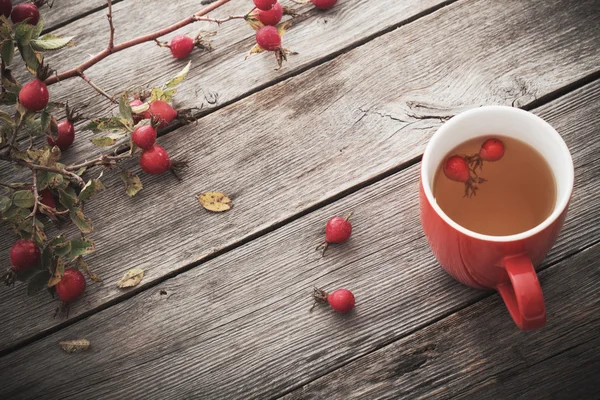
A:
[25, 11]
[341, 300]
[5, 7]
[155, 160]
[181, 46]
[34, 95]
[24, 255]
[268, 38]
[264, 4]
[144, 136]
[324, 4]
[337, 230]
[456, 168]
[491, 150]
[161, 110]
[71, 286]
[271, 17]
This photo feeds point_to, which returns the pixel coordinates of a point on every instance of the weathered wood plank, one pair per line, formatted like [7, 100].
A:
[325, 138]
[476, 352]
[239, 327]
[65, 11]
[222, 74]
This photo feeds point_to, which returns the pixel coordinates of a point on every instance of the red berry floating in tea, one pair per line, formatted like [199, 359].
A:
[456, 169]
[491, 150]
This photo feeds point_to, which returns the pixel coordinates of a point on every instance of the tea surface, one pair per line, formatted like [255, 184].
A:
[519, 191]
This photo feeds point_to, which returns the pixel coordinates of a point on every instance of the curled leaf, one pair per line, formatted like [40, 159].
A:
[131, 278]
[215, 201]
[75, 346]
[133, 184]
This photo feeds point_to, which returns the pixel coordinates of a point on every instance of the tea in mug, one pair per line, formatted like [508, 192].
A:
[495, 185]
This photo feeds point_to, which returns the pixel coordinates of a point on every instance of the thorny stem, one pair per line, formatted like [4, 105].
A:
[125, 45]
[219, 21]
[97, 88]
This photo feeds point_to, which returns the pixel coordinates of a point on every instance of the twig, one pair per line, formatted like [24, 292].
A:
[125, 45]
[35, 196]
[219, 21]
[104, 159]
[62, 171]
[97, 88]
[111, 38]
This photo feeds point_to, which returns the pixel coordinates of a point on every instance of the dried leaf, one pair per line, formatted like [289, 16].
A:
[75, 346]
[131, 278]
[92, 187]
[108, 140]
[125, 108]
[142, 108]
[179, 77]
[83, 265]
[282, 28]
[106, 124]
[58, 274]
[215, 201]
[133, 184]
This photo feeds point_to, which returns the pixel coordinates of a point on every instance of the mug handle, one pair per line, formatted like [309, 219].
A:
[523, 294]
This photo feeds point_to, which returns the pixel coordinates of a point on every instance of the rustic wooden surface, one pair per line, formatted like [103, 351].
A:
[223, 308]
[376, 123]
[239, 326]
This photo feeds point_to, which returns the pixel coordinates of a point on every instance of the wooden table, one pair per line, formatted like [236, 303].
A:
[223, 311]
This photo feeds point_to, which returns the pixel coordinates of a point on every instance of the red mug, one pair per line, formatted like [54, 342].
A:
[503, 263]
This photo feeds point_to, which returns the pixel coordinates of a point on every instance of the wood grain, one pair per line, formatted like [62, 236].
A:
[303, 141]
[477, 353]
[239, 326]
[66, 11]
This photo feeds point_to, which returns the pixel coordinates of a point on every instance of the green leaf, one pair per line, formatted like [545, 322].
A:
[50, 42]
[62, 249]
[32, 60]
[79, 219]
[106, 124]
[8, 51]
[179, 77]
[133, 184]
[155, 95]
[38, 28]
[67, 197]
[81, 247]
[5, 28]
[45, 119]
[24, 276]
[108, 140]
[23, 198]
[125, 108]
[5, 203]
[47, 257]
[23, 33]
[38, 282]
[92, 187]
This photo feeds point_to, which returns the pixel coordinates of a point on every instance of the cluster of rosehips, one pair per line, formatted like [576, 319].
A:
[26, 255]
[154, 159]
[270, 12]
[337, 230]
[463, 168]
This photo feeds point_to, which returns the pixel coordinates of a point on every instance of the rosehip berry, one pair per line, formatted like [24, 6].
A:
[324, 4]
[268, 38]
[457, 169]
[491, 150]
[161, 110]
[23, 11]
[24, 255]
[337, 230]
[264, 4]
[71, 286]
[181, 46]
[34, 95]
[47, 198]
[136, 117]
[144, 137]
[155, 160]
[5, 7]
[66, 136]
[341, 300]
[272, 16]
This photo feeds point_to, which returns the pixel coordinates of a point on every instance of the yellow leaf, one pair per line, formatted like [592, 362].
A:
[75, 346]
[131, 278]
[58, 274]
[215, 201]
